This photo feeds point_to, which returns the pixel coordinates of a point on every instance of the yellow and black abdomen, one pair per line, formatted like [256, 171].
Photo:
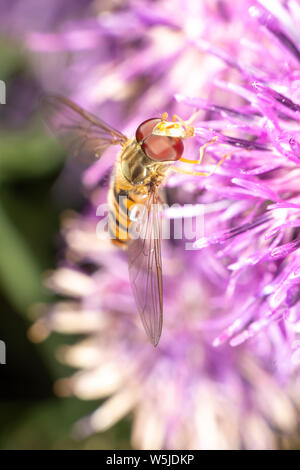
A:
[121, 202]
[122, 194]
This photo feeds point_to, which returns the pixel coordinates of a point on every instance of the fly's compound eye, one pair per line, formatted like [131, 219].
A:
[159, 148]
[145, 129]
[163, 149]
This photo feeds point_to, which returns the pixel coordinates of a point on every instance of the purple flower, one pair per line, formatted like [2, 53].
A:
[224, 373]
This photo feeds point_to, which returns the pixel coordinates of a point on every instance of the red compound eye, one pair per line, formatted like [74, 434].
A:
[156, 147]
[145, 129]
[163, 149]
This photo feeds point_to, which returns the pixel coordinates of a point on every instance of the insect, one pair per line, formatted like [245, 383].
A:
[142, 166]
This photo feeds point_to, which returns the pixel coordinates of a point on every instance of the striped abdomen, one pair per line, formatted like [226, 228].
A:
[121, 203]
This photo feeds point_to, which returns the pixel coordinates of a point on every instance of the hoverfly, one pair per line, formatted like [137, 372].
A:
[141, 167]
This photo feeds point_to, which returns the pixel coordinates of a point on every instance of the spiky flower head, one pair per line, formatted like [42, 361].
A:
[225, 372]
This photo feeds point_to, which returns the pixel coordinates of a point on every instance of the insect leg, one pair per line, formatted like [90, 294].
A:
[187, 123]
[201, 151]
[188, 172]
[202, 173]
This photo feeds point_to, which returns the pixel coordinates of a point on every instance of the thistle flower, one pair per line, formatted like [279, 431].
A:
[225, 372]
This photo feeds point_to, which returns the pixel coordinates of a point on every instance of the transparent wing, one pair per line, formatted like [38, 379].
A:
[81, 133]
[145, 270]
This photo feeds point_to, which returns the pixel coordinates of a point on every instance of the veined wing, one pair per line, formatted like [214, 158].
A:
[81, 133]
[145, 269]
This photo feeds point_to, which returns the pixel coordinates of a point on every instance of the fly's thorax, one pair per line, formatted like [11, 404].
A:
[137, 168]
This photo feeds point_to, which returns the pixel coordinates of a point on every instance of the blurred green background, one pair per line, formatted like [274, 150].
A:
[31, 163]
